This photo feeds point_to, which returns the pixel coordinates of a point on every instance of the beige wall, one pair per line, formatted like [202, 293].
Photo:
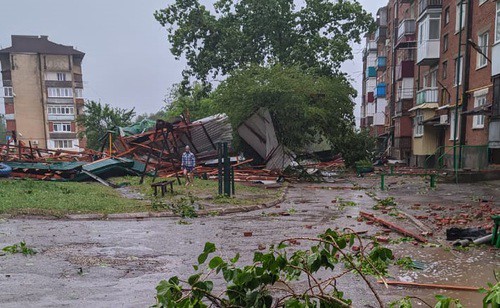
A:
[426, 144]
[28, 101]
[57, 63]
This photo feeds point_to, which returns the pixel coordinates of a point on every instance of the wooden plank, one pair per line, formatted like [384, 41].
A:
[98, 179]
[428, 285]
[392, 226]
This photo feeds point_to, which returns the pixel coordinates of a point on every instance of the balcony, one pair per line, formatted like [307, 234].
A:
[370, 98]
[371, 72]
[428, 52]
[381, 63]
[424, 5]
[379, 118]
[380, 90]
[382, 16]
[371, 45]
[405, 93]
[65, 117]
[427, 95]
[380, 34]
[405, 69]
[406, 33]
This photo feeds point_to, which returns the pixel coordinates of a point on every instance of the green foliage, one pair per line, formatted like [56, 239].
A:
[237, 33]
[389, 201]
[250, 285]
[492, 297]
[303, 106]
[402, 303]
[21, 247]
[195, 104]
[405, 263]
[447, 302]
[99, 118]
[355, 146]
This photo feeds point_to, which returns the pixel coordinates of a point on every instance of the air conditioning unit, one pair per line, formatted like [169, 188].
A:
[34, 142]
[443, 119]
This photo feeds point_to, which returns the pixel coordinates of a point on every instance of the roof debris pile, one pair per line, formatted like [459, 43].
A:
[156, 147]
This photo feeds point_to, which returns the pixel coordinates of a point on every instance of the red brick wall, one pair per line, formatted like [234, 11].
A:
[10, 125]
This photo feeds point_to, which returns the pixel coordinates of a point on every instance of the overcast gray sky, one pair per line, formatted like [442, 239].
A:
[127, 62]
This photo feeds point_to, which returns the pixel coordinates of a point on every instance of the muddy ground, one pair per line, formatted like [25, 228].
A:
[119, 263]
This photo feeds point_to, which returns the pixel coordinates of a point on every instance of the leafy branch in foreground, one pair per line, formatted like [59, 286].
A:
[268, 281]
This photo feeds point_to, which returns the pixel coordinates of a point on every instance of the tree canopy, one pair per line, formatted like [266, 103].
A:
[98, 118]
[237, 33]
[303, 106]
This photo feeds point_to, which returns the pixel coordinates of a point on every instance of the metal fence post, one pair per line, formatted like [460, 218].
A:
[382, 180]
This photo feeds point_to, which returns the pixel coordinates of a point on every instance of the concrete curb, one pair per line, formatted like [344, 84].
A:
[220, 211]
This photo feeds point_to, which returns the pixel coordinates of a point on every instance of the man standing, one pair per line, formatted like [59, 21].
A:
[187, 165]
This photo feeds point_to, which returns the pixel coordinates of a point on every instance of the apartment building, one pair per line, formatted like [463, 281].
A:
[43, 92]
[444, 100]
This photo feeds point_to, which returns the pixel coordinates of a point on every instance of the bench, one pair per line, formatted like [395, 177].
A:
[163, 186]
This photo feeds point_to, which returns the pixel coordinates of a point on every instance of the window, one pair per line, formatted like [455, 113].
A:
[429, 28]
[78, 93]
[482, 1]
[497, 24]
[482, 43]
[61, 76]
[60, 92]
[62, 127]
[419, 125]
[458, 71]
[460, 20]
[61, 110]
[445, 42]
[447, 16]
[63, 144]
[445, 69]
[7, 92]
[479, 100]
[434, 28]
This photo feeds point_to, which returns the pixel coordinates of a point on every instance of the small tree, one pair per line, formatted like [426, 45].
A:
[355, 146]
[196, 103]
[99, 118]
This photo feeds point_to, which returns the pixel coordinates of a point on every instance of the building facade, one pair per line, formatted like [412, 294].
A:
[444, 60]
[43, 92]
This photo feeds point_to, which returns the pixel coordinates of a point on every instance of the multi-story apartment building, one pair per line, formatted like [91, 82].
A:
[444, 99]
[42, 89]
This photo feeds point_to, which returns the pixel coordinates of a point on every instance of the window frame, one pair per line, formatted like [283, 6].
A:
[62, 75]
[446, 42]
[8, 92]
[447, 15]
[457, 15]
[78, 92]
[480, 98]
[460, 72]
[63, 110]
[63, 144]
[497, 23]
[419, 125]
[62, 126]
[444, 73]
[484, 48]
[60, 92]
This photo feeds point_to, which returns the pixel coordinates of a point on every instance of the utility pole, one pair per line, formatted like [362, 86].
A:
[458, 82]
[465, 81]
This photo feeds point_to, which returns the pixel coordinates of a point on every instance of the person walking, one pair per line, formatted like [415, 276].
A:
[187, 165]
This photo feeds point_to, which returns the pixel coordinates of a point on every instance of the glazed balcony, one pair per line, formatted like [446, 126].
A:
[380, 90]
[371, 72]
[428, 52]
[381, 34]
[427, 95]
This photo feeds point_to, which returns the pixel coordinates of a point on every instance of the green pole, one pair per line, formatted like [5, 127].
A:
[392, 170]
[433, 180]
[219, 166]
[232, 180]
[382, 180]
[227, 170]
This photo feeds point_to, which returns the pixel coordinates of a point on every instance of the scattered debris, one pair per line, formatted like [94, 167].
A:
[428, 285]
[392, 226]
[471, 234]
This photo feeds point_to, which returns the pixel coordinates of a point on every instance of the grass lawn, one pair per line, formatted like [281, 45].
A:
[30, 197]
[204, 191]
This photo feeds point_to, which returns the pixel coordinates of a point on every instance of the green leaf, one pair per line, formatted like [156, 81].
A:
[202, 258]
[215, 262]
[193, 279]
[209, 248]
[235, 259]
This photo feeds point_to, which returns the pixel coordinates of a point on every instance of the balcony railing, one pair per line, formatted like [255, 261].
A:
[380, 33]
[380, 90]
[381, 63]
[371, 72]
[406, 27]
[371, 45]
[427, 95]
[405, 93]
[405, 69]
[65, 117]
[406, 33]
[423, 5]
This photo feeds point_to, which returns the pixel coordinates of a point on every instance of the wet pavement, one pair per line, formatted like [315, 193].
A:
[119, 263]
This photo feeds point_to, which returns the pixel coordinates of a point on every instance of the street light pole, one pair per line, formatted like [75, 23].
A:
[458, 82]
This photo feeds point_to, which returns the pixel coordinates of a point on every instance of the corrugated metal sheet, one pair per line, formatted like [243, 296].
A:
[258, 131]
